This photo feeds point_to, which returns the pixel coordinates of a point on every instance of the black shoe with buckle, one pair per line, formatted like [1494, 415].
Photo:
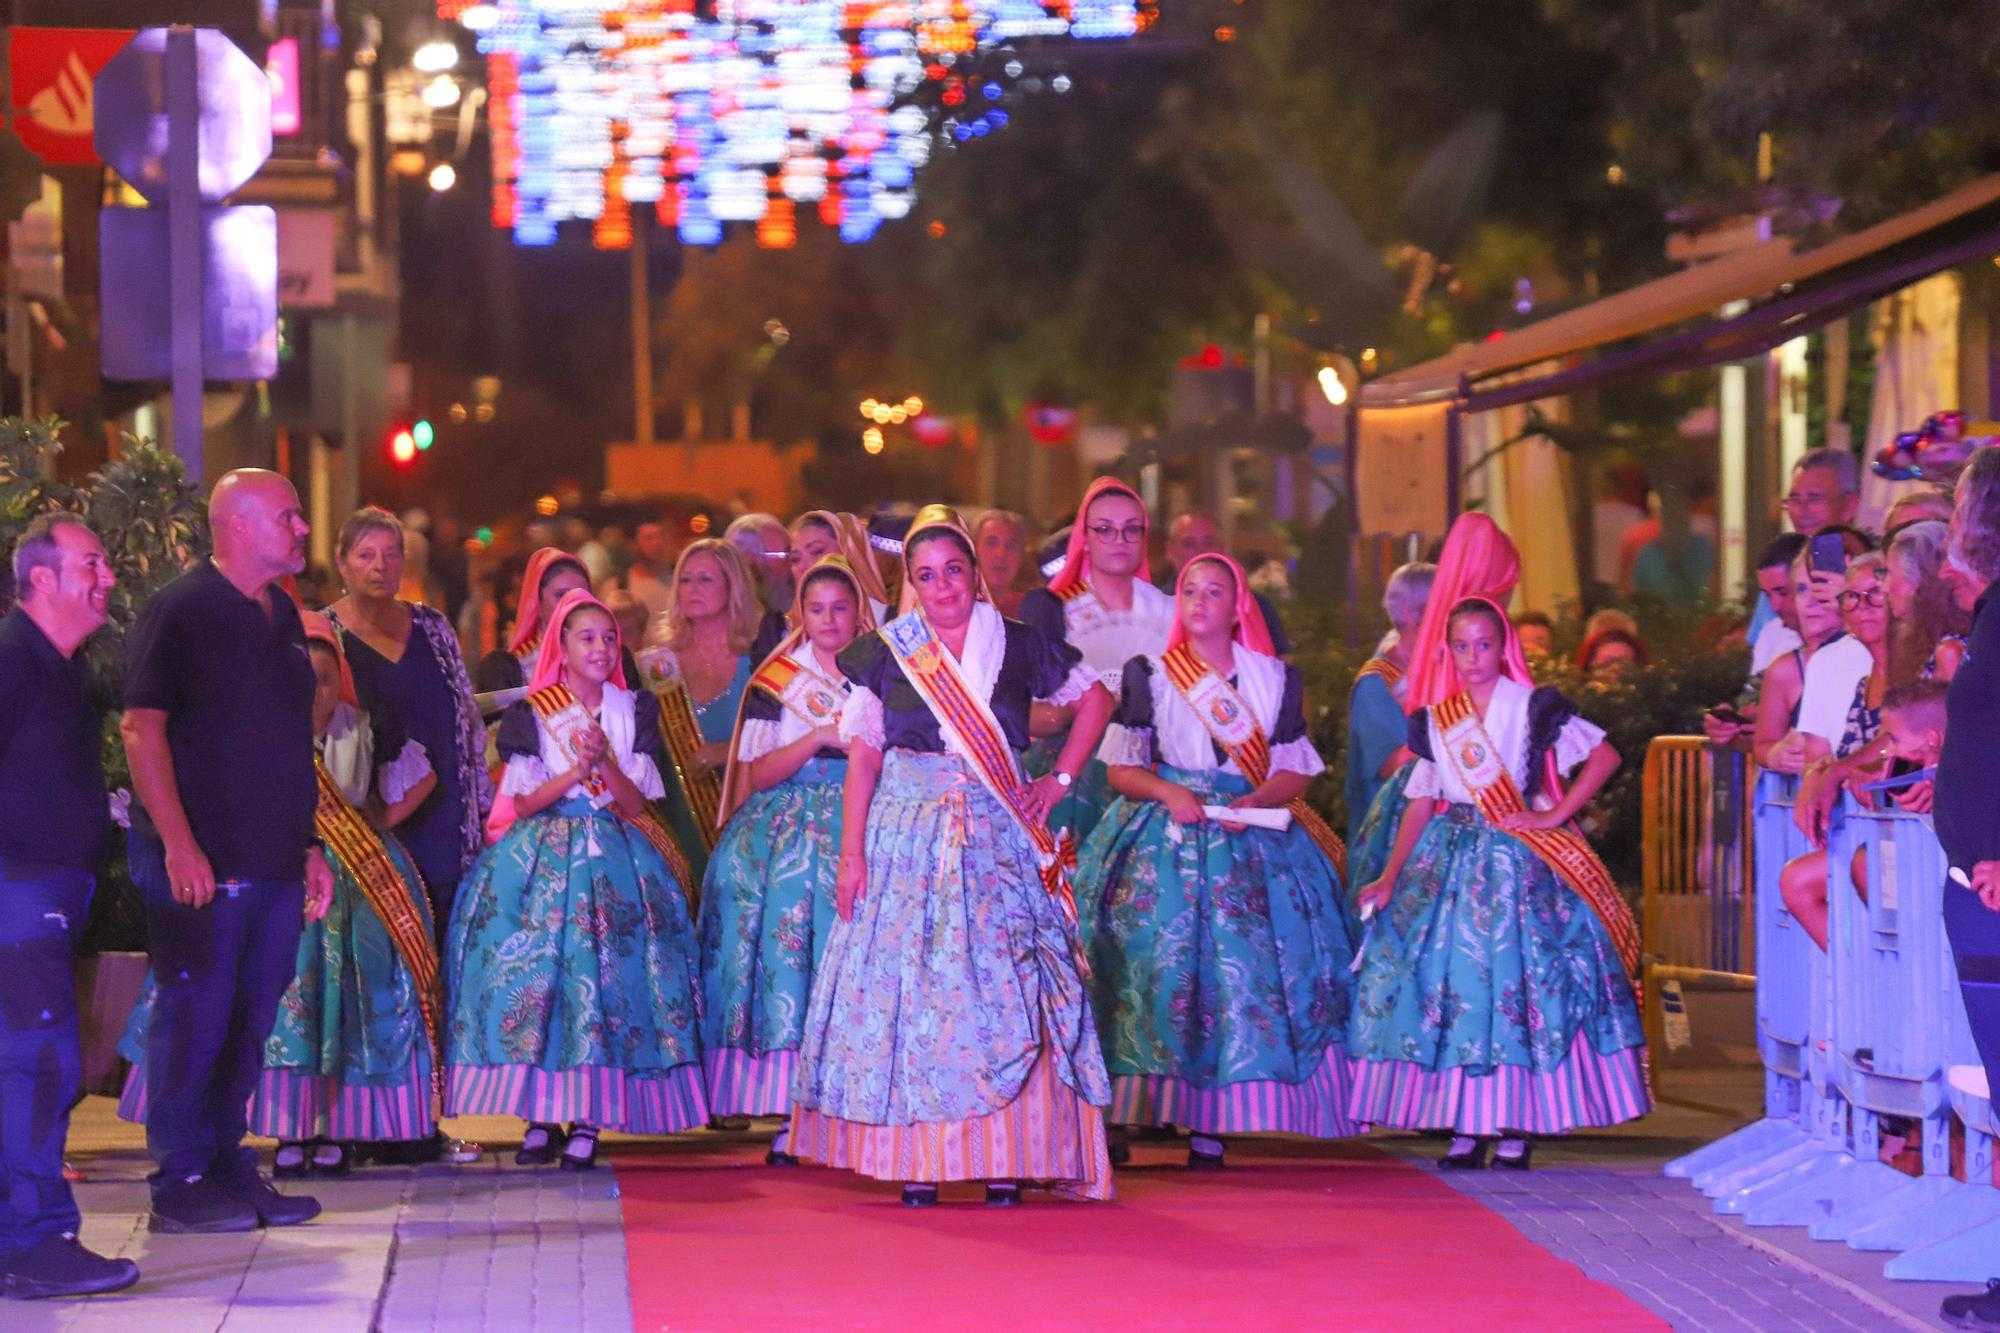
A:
[1981, 1311]
[920, 1195]
[580, 1152]
[59, 1266]
[196, 1206]
[1003, 1194]
[273, 1209]
[1515, 1153]
[1205, 1152]
[1467, 1154]
[539, 1145]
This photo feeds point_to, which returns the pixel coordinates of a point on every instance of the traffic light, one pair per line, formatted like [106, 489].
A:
[424, 434]
[403, 446]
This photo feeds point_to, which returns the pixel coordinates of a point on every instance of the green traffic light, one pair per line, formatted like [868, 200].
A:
[424, 434]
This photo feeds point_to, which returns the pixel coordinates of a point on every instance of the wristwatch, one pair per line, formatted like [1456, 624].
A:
[1063, 779]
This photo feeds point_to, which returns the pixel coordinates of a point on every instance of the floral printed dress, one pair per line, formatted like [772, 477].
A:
[570, 960]
[1220, 958]
[1491, 998]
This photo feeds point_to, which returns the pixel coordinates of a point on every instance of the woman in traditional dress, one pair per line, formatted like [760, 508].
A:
[819, 533]
[1102, 602]
[699, 672]
[949, 1035]
[1497, 984]
[767, 901]
[1478, 560]
[570, 957]
[1219, 949]
[407, 669]
[1377, 726]
[350, 1063]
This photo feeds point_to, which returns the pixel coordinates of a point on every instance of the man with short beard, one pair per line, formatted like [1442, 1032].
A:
[53, 816]
[218, 727]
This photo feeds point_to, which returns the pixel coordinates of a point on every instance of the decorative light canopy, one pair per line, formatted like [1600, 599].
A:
[713, 112]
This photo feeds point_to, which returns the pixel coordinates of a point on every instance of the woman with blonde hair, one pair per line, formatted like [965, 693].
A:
[699, 671]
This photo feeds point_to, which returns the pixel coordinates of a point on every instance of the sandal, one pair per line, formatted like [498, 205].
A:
[538, 1145]
[580, 1153]
[463, 1152]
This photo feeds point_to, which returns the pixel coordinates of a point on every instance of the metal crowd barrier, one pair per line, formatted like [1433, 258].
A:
[1697, 906]
[1852, 1037]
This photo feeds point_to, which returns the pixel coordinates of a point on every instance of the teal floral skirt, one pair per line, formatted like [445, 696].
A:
[1369, 851]
[1220, 965]
[767, 906]
[1088, 797]
[570, 967]
[949, 1034]
[348, 1058]
[1491, 998]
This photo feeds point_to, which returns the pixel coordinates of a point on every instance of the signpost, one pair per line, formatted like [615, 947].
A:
[185, 117]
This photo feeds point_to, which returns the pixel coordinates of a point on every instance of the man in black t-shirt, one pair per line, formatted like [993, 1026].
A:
[218, 727]
[53, 817]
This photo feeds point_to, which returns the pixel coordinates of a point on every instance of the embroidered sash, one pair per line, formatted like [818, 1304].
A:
[363, 855]
[550, 705]
[1462, 741]
[701, 786]
[970, 728]
[1234, 727]
[810, 697]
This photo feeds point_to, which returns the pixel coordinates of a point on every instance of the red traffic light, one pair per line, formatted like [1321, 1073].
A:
[403, 447]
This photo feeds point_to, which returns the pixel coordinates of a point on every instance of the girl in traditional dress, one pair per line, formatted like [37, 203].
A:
[1478, 560]
[699, 673]
[552, 574]
[570, 954]
[1497, 985]
[350, 1061]
[767, 902]
[1102, 602]
[949, 1035]
[1219, 950]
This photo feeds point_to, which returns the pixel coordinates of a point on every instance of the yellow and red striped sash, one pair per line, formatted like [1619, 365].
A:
[816, 702]
[1390, 673]
[553, 700]
[1564, 850]
[702, 786]
[943, 690]
[1072, 592]
[1253, 754]
[364, 855]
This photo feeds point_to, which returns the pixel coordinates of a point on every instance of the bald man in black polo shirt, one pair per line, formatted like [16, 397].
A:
[53, 817]
[218, 727]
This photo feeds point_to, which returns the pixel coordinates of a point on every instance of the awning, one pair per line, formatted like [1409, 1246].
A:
[1810, 287]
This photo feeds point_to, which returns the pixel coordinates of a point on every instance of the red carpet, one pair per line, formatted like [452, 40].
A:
[1291, 1236]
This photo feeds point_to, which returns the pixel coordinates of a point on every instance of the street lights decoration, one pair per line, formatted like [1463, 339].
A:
[745, 111]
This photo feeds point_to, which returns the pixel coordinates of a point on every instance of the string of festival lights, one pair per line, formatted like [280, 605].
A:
[720, 112]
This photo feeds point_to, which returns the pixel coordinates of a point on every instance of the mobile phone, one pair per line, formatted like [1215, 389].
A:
[1829, 553]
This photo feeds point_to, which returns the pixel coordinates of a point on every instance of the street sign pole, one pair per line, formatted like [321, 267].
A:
[184, 234]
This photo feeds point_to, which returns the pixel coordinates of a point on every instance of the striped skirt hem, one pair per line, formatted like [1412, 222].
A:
[1588, 1090]
[292, 1104]
[1047, 1133]
[666, 1102]
[740, 1083]
[1315, 1107]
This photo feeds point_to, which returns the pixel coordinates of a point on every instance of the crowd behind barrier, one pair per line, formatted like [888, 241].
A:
[1858, 1043]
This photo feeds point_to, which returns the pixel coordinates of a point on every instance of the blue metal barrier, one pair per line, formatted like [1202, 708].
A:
[1850, 1038]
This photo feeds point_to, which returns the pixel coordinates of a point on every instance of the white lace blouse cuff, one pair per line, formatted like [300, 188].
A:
[1575, 742]
[1423, 780]
[404, 772]
[1129, 747]
[1297, 756]
[525, 772]
[760, 737]
[1078, 684]
[861, 717]
[645, 775]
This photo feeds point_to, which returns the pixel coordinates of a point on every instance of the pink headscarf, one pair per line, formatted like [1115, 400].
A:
[550, 659]
[319, 627]
[1478, 561]
[1076, 564]
[1251, 631]
[528, 612]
